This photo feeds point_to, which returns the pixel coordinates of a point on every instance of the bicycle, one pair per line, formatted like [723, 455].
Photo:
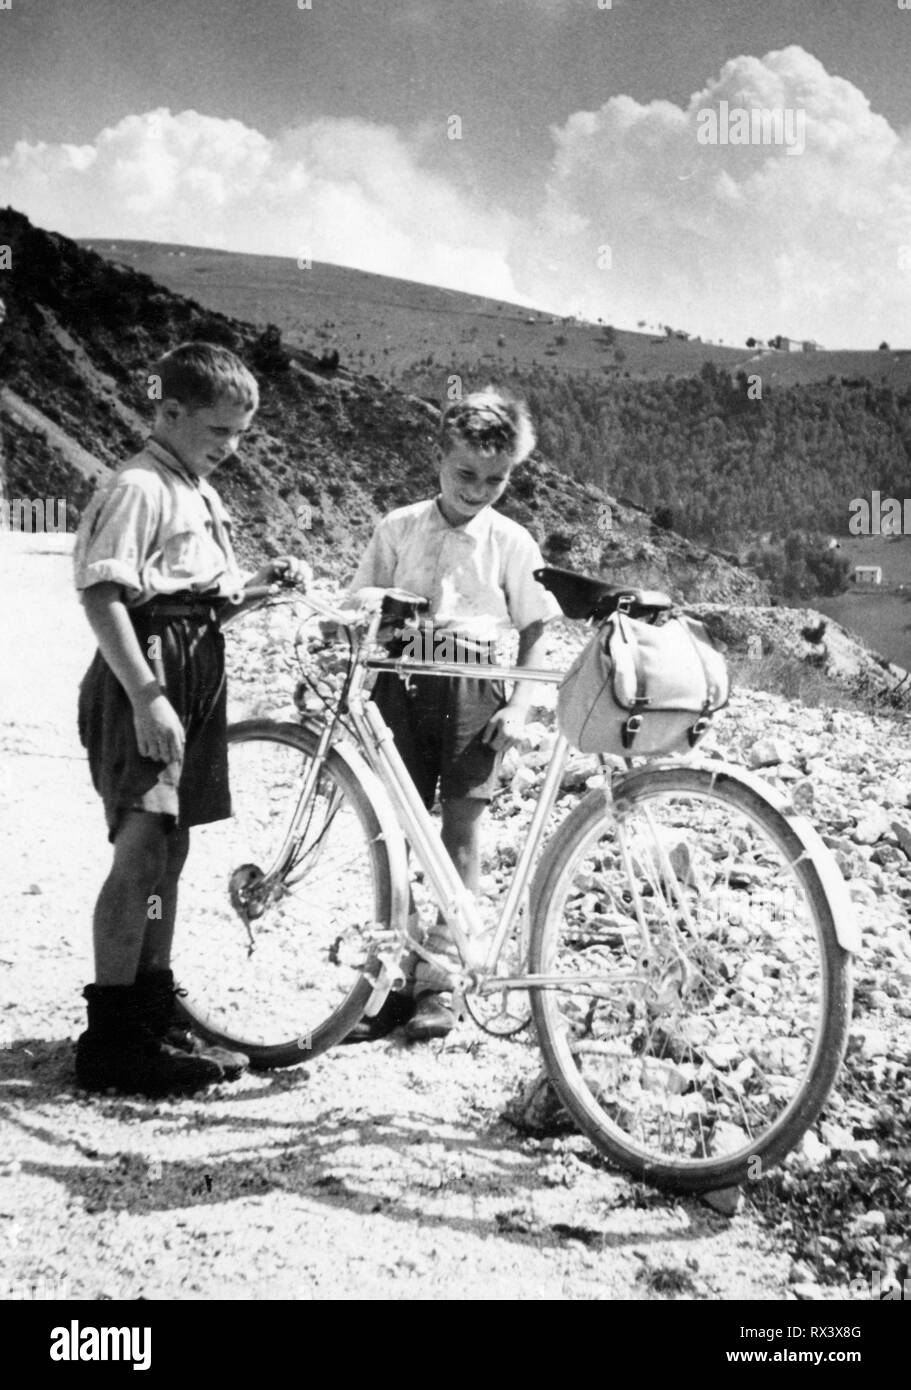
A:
[683, 942]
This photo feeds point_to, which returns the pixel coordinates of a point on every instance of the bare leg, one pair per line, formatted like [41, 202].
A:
[119, 1048]
[159, 929]
[122, 910]
[462, 840]
[433, 1016]
[462, 837]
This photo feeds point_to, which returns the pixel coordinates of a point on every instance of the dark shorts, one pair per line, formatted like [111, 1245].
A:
[192, 669]
[437, 724]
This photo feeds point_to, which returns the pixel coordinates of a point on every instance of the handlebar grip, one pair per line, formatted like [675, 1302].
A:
[256, 591]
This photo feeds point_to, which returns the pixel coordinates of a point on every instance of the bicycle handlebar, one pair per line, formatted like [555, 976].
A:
[580, 597]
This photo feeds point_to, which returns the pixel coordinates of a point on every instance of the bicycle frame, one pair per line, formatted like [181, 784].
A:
[376, 743]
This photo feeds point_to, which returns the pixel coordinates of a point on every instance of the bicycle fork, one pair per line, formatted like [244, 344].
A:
[294, 839]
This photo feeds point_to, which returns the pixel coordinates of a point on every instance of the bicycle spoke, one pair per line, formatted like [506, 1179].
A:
[281, 907]
[699, 921]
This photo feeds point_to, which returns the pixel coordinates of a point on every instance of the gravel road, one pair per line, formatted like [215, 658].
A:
[374, 1172]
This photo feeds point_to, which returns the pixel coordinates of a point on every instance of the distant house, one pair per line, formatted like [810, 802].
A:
[783, 344]
[810, 345]
[868, 574]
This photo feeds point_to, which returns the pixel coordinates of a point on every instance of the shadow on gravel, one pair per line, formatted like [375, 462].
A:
[32, 1067]
[401, 1166]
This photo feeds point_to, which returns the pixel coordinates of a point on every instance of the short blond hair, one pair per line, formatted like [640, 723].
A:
[200, 374]
[489, 422]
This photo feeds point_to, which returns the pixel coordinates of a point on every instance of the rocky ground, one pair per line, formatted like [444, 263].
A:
[389, 1171]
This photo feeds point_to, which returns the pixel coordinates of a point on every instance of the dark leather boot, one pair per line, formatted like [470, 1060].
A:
[433, 1017]
[396, 1010]
[118, 1050]
[156, 993]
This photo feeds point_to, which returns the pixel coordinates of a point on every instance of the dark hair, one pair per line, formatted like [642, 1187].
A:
[199, 374]
[491, 423]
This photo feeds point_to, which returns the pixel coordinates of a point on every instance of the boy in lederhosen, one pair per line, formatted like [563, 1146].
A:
[476, 569]
[154, 566]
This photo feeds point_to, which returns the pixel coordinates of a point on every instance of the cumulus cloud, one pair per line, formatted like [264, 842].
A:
[345, 191]
[635, 216]
[642, 220]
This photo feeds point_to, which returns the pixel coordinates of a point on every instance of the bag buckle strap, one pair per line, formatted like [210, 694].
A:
[630, 729]
[640, 698]
[695, 732]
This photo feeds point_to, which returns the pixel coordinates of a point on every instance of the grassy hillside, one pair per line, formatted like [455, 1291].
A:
[378, 322]
[726, 444]
[330, 449]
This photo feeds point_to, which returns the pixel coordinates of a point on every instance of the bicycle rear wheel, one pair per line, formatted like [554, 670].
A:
[706, 1001]
[271, 944]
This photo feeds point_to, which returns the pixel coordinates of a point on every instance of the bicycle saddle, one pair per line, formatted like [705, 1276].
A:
[580, 596]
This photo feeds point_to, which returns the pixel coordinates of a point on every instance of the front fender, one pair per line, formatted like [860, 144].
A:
[390, 830]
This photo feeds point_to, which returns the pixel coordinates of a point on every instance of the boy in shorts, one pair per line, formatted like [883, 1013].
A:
[475, 567]
[154, 566]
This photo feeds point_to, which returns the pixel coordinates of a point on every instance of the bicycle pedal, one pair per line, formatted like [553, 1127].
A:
[389, 978]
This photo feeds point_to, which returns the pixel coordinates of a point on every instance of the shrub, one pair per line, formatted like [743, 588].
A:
[559, 543]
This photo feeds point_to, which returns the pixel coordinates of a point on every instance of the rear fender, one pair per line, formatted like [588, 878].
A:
[837, 892]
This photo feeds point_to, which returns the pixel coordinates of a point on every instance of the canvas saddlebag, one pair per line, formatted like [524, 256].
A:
[642, 690]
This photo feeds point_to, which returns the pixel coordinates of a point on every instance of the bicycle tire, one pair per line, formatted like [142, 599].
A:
[686, 1067]
[292, 985]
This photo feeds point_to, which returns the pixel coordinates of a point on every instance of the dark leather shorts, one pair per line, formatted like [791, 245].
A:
[437, 725]
[189, 657]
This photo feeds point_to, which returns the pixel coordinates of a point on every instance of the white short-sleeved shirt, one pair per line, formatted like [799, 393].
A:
[155, 528]
[478, 577]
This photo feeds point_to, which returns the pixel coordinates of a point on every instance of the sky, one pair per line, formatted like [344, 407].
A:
[591, 157]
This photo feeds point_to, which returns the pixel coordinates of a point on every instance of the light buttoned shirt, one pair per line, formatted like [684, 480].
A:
[155, 528]
[478, 577]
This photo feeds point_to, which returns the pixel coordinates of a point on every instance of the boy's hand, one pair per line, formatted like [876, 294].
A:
[286, 569]
[504, 729]
[370, 598]
[159, 732]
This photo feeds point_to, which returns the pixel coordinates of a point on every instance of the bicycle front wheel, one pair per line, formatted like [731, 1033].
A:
[280, 903]
[702, 1003]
